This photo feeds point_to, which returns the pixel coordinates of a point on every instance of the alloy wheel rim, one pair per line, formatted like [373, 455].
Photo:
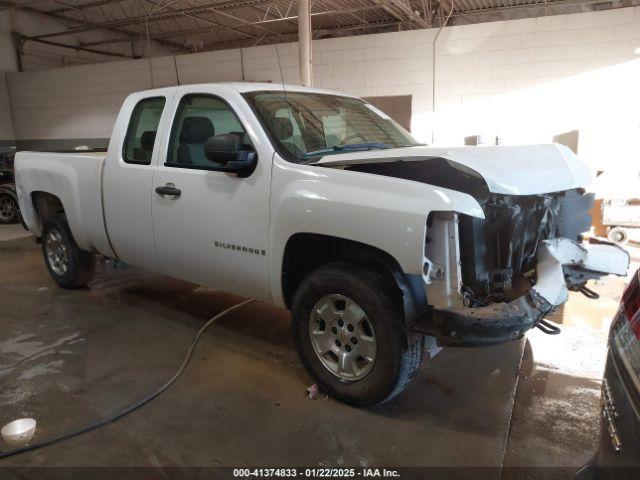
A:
[342, 337]
[7, 207]
[57, 254]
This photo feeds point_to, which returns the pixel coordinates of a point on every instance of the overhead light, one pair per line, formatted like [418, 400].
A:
[637, 50]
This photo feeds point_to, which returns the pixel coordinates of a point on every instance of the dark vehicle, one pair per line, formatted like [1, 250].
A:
[9, 211]
[618, 455]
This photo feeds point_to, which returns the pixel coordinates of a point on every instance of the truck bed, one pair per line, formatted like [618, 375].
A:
[76, 179]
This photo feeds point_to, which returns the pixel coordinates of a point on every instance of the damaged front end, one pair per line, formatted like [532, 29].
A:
[490, 280]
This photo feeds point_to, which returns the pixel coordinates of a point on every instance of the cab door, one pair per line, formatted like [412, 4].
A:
[212, 227]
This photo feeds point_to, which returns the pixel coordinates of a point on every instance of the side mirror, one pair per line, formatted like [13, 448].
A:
[231, 155]
[222, 148]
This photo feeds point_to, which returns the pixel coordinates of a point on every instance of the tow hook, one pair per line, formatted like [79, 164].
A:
[587, 292]
[547, 327]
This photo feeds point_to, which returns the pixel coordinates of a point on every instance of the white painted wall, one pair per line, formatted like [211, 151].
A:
[525, 80]
[38, 56]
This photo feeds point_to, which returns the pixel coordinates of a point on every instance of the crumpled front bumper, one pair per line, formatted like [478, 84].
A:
[562, 264]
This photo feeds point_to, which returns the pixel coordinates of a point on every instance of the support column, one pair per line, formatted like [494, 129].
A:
[304, 43]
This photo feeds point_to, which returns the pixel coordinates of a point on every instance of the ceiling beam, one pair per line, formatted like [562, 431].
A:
[200, 30]
[317, 34]
[83, 6]
[282, 37]
[406, 10]
[160, 15]
[204, 20]
[384, 4]
[77, 48]
[335, 31]
[535, 4]
[128, 36]
[160, 5]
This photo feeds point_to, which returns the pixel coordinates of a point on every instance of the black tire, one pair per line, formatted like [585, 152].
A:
[395, 365]
[8, 207]
[80, 264]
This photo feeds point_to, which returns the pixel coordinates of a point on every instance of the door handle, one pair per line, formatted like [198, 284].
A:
[168, 190]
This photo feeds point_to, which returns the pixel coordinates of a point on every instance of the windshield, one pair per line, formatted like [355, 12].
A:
[306, 126]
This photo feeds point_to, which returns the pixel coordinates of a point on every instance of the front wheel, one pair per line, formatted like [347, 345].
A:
[349, 332]
[70, 266]
[8, 208]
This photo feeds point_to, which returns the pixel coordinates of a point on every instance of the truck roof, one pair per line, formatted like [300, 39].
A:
[244, 87]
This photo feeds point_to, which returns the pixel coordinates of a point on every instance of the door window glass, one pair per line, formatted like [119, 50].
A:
[141, 134]
[200, 117]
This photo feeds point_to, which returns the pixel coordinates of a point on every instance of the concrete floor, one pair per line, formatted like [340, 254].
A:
[12, 232]
[68, 358]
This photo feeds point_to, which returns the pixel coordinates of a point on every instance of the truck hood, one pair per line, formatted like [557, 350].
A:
[517, 170]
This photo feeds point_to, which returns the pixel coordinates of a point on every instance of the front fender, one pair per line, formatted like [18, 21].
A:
[387, 213]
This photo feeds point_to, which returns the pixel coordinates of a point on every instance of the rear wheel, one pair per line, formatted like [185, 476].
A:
[618, 235]
[349, 332]
[68, 265]
[8, 208]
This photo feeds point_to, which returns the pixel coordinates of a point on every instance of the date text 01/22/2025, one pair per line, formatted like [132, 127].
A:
[315, 473]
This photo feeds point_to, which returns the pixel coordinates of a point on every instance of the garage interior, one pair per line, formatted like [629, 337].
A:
[453, 73]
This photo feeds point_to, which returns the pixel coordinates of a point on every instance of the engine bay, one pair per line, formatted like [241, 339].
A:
[499, 253]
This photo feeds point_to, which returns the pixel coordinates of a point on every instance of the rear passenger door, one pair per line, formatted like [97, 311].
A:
[213, 229]
[128, 179]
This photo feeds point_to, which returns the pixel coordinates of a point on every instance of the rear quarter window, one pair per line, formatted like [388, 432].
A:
[142, 130]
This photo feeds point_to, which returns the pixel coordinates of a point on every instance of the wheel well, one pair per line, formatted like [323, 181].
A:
[305, 252]
[46, 205]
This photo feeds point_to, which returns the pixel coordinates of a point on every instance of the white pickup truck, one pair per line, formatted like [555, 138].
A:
[384, 250]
